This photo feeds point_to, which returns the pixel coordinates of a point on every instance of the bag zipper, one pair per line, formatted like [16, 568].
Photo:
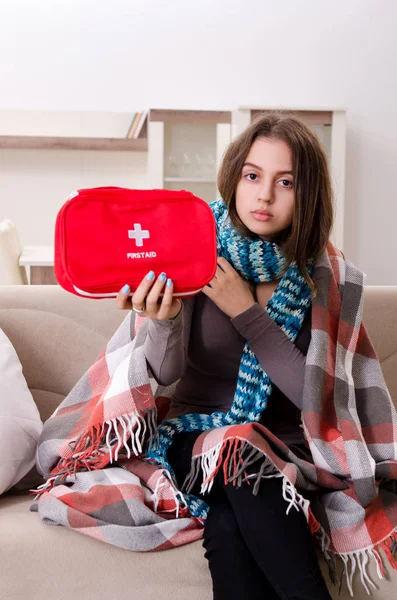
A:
[114, 294]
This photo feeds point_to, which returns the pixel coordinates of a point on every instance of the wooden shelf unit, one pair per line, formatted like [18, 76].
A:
[201, 134]
[163, 133]
[34, 142]
[309, 117]
[19, 142]
[190, 116]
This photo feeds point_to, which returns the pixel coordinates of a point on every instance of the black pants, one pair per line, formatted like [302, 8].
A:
[254, 549]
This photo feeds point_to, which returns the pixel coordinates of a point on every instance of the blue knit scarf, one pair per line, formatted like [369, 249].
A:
[256, 261]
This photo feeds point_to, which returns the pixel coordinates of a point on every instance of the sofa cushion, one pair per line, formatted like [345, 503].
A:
[61, 563]
[20, 423]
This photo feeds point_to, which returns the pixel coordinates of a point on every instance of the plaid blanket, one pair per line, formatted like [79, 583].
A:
[98, 482]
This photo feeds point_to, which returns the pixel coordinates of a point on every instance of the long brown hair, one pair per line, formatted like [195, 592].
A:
[307, 236]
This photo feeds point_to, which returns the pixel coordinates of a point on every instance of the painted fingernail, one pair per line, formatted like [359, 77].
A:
[150, 275]
[126, 289]
[169, 282]
[162, 276]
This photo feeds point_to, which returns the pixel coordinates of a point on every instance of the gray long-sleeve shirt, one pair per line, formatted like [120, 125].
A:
[202, 347]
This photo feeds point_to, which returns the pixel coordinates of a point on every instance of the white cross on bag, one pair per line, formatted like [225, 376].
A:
[139, 234]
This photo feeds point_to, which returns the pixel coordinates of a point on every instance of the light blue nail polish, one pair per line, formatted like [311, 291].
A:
[150, 275]
[126, 289]
[162, 276]
[169, 282]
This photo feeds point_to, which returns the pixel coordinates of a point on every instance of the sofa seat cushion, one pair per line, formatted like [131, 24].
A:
[61, 563]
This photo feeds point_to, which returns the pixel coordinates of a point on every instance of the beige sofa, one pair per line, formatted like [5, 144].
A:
[57, 336]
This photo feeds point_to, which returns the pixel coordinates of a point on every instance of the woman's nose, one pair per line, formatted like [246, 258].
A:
[266, 192]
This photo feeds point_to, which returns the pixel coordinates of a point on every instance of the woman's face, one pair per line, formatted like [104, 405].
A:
[266, 184]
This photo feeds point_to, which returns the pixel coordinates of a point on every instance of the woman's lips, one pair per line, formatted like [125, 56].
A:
[261, 216]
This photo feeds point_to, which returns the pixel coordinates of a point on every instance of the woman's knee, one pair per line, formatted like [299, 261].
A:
[221, 526]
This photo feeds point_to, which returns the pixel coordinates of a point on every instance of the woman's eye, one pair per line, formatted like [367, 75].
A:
[288, 182]
[253, 174]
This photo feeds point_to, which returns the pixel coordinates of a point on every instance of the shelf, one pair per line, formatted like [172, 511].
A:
[310, 117]
[188, 180]
[190, 116]
[16, 142]
[34, 256]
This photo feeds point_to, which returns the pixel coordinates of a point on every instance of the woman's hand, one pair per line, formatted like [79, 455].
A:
[147, 295]
[232, 294]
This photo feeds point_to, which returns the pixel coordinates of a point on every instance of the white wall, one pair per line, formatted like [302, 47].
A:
[121, 56]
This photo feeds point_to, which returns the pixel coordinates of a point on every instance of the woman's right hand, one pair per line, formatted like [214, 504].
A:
[147, 295]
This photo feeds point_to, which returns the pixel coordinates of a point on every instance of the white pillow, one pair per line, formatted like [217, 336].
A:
[20, 423]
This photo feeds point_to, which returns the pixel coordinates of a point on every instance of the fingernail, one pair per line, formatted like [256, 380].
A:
[150, 275]
[169, 282]
[126, 289]
[162, 276]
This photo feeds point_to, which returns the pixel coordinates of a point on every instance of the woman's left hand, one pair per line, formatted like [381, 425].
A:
[228, 290]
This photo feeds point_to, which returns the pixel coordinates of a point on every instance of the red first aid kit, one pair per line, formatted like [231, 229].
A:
[107, 237]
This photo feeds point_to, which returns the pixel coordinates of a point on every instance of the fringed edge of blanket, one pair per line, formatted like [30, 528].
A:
[101, 444]
[234, 469]
[360, 559]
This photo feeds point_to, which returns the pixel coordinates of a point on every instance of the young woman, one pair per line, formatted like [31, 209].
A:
[275, 185]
